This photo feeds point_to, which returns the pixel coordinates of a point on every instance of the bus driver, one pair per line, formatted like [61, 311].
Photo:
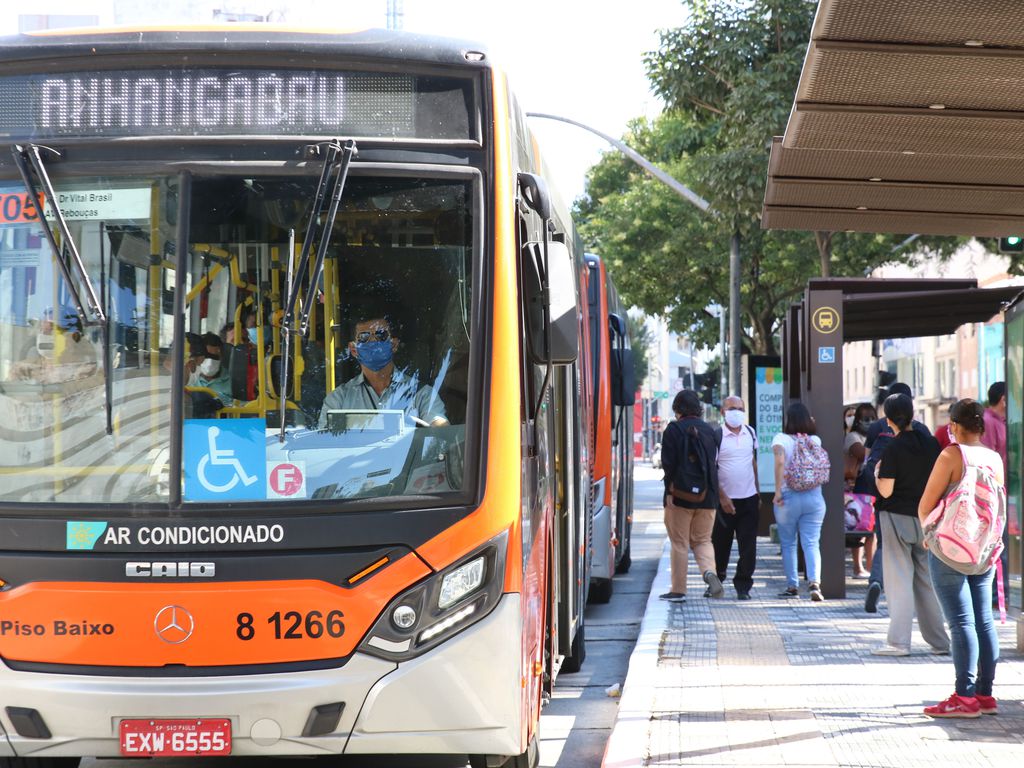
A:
[380, 385]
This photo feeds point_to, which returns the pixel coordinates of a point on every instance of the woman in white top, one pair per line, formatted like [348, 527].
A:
[798, 513]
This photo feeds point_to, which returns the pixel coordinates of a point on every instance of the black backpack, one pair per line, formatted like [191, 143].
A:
[690, 479]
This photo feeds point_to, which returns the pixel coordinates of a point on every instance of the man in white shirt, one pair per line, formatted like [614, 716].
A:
[739, 497]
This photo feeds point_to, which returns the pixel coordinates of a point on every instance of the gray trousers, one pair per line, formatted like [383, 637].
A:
[908, 584]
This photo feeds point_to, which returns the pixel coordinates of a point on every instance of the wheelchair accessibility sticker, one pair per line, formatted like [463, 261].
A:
[225, 459]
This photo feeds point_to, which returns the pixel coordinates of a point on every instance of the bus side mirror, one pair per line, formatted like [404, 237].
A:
[623, 377]
[617, 323]
[534, 190]
[561, 300]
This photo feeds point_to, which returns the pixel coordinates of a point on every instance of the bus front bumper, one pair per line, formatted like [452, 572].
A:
[461, 697]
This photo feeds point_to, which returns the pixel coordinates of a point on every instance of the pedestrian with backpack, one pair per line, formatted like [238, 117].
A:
[900, 476]
[963, 511]
[688, 454]
[801, 467]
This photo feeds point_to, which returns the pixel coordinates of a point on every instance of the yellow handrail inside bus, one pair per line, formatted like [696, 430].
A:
[206, 280]
[156, 289]
[230, 258]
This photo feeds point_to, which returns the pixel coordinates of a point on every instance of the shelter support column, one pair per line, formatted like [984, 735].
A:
[823, 395]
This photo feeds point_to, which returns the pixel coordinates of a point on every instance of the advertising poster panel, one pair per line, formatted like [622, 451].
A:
[767, 419]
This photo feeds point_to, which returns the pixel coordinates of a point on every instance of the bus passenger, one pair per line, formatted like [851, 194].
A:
[206, 370]
[380, 385]
[58, 353]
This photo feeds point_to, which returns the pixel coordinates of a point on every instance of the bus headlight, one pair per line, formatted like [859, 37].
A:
[456, 584]
[440, 606]
[404, 617]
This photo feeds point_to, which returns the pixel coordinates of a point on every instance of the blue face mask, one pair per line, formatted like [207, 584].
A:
[374, 354]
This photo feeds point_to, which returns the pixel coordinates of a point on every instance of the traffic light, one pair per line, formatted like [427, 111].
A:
[704, 383]
[882, 381]
[1012, 244]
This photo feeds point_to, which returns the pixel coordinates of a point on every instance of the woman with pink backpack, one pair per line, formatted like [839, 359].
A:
[801, 467]
[963, 511]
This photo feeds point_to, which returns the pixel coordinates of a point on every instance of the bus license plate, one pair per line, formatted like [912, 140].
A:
[167, 738]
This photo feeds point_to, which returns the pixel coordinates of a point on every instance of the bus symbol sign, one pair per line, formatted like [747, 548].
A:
[825, 320]
[286, 480]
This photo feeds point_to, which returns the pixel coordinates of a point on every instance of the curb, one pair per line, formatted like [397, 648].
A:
[630, 738]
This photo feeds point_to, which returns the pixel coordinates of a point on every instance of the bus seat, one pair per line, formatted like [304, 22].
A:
[453, 390]
[204, 402]
[274, 378]
[241, 366]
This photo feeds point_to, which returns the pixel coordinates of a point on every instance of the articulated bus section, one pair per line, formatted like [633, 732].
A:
[299, 401]
[614, 395]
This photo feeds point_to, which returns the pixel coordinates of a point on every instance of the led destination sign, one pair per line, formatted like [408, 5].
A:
[232, 102]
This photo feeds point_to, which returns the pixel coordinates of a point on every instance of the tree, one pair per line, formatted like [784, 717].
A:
[728, 79]
[640, 340]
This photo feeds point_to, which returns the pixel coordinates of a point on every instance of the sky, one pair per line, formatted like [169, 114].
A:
[581, 59]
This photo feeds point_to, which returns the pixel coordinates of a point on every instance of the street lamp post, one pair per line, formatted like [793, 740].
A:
[735, 328]
[734, 246]
[676, 185]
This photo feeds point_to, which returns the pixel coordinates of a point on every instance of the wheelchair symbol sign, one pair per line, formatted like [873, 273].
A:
[826, 354]
[225, 459]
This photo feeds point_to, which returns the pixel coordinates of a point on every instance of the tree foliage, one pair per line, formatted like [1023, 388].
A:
[640, 341]
[727, 78]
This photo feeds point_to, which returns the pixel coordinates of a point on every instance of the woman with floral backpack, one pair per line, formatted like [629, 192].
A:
[963, 511]
[801, 466]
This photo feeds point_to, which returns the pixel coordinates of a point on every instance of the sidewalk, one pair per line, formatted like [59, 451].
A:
[774, 682]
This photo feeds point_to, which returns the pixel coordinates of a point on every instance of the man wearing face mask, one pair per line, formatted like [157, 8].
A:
[380, 385]
[739, 497]
[206, 369]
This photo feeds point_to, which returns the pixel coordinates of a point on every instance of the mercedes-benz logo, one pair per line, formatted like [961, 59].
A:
[173, 624]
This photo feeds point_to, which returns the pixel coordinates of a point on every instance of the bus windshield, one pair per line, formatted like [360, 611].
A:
[375, 394]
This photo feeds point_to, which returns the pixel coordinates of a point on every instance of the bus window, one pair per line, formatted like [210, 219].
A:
[375, 394]
[53, 393]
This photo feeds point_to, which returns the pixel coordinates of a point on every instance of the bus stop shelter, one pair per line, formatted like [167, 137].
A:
[908, 119]
[834, 311]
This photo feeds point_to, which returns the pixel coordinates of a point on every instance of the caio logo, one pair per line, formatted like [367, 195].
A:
[173, 624]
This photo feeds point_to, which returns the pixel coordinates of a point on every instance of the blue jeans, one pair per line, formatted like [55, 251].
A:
[876, 561]
[801, 514]
[967, 605]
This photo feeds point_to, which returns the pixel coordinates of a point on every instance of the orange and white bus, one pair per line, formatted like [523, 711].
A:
[292, 456]
[614, 392]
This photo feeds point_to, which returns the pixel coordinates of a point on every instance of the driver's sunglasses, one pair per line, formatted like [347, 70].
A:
[381, 334]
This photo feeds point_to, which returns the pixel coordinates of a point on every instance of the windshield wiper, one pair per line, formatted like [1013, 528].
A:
[26, 156]
[336, 167]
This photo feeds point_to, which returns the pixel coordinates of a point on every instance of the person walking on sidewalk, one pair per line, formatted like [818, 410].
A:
[739, 497]
[798, 513]
[901, 476]
[966, 600]
[688, 454]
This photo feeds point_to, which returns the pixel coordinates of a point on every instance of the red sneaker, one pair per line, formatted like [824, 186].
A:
[955, 706]
[988, 705]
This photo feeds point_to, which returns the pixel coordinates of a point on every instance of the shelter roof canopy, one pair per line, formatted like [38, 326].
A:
[908, 119]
